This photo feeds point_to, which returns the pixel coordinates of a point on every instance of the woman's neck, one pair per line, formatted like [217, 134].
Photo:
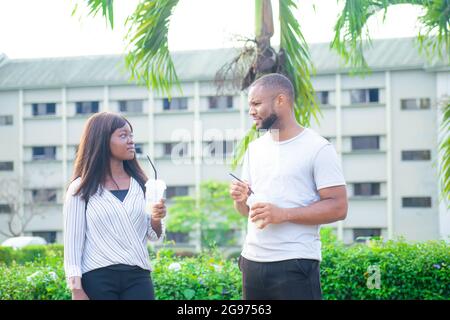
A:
[117, 169]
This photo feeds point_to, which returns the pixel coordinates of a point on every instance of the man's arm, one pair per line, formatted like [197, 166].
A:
[331, 207]
[242, 208]
[239, 193]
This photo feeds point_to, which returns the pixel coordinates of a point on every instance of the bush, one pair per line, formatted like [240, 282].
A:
[208, 276]
[407, 271]
[30, 253]
[6, 255]
[39, 280]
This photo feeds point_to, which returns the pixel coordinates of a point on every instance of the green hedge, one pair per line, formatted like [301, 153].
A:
[30, 253]
[407, 271]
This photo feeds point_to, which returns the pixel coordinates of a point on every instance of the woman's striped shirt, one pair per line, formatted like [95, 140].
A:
[109, 231]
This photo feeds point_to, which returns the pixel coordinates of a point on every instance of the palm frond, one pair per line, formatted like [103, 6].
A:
[148, 55]
[106, 7]
[351, 27]
[240, 149]
[298, 64]
[298, 67]
[444, 151]
[434, 37]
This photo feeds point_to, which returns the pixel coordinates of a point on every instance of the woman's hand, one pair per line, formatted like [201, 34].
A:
[159, 210]
[79, 294]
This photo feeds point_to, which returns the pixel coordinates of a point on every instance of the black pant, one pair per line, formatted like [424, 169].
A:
[296, 279]
[118, 283]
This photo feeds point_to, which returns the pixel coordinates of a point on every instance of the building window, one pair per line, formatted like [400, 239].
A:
[364, 96]
[49, 236]
[416, 202]
[131, 106]
[416, 155]
[177, 191]
[175, 104]
[44, 109]
[7, 166]
[44, 153]
[220, 102]
[138, 147]
[6, 120]
[87, 107]
[322, 97]
[177, 237]
[221, 148]
[5, 208]
[366, 143]
[44, 195]
[415, 104]
[361, 235]
[178, 149]
[366, 189]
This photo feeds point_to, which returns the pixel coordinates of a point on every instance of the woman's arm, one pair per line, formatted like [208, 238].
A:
[74, 236]
[157, 230]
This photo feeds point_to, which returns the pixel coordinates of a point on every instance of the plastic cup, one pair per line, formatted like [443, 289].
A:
[252, 199]
[154, 192]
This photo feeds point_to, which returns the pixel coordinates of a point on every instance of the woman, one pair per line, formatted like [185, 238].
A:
[106, 226]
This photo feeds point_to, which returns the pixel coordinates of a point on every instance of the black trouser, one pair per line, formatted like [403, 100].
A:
[281, 280]
[118, 282]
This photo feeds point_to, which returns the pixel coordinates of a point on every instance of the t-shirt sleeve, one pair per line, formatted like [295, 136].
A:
[327, 168]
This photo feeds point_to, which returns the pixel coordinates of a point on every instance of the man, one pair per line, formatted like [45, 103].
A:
[293, 183]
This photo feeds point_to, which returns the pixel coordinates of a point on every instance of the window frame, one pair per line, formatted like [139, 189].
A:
[354, 140]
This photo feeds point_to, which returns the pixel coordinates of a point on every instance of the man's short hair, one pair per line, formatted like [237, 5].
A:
[278, 83]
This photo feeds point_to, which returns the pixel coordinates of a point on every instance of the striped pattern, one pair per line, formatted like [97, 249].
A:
[109, 232]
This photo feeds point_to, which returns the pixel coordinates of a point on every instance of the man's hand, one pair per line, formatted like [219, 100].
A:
[239, 191]
[79, 294]
[268, 213]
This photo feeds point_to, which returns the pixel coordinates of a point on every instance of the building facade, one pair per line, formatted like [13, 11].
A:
[384, 127]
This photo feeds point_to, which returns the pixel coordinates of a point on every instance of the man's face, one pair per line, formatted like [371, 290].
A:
[261, 107]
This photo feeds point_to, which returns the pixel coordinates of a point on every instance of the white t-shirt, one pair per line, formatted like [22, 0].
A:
[288, 174]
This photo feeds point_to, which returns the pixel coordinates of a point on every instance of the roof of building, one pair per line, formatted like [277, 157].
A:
[385, 54]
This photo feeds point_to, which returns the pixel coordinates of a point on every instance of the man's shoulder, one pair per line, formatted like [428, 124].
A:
[315, 136]
[315, 140]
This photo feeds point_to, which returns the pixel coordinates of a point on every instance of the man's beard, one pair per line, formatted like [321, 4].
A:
[268, 122]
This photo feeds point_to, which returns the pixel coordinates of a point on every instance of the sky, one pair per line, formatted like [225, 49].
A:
[47, 28]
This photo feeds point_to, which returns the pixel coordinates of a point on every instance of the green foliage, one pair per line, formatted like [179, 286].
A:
[183, 215]
[207, 277]
[351, 27]
[444, 150]
[215, 213]
[6, 255]
[298, 65]
[407, 271]
[42, 279]
[148, 55]
[105, 5]
[327, 236]
[30, 253]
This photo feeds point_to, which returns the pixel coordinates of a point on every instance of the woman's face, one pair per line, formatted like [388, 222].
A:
[122, 144]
